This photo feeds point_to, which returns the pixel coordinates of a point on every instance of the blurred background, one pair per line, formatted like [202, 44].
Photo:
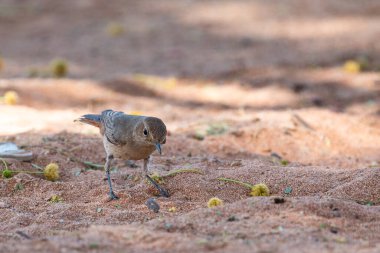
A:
[234, 64]
[186, 38]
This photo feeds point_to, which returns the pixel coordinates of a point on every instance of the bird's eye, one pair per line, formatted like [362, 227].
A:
[145, 132]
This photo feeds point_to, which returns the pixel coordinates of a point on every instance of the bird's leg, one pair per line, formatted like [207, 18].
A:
[146, 162]
[107, 167]
[163, 192]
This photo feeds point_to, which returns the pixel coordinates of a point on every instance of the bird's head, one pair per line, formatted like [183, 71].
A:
[153, 131]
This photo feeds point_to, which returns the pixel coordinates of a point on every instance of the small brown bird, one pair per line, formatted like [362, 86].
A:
[128, 137]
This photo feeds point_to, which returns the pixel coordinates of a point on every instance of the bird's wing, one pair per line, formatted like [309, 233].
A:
[111, 123]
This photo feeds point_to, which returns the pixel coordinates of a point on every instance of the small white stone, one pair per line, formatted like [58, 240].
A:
[4, 205]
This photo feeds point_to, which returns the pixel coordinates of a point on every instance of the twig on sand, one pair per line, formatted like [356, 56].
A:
[24, 235]
[160, 179]
[256, 190]
[37, 166]
[175, 172]
[235, 181]
[300, 121]
[93, 165]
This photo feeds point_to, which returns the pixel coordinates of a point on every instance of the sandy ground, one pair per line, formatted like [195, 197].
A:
[234, 82]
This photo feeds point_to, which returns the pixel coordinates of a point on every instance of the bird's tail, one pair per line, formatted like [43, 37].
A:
[91, 119]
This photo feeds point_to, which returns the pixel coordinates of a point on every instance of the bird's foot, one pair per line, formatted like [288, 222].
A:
[112, 196]
[163, 191]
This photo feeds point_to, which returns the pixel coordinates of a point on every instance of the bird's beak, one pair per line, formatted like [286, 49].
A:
[158, 147]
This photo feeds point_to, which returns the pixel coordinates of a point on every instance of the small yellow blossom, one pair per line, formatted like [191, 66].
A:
[260, 190]
[214, 202]
[59, 68]
[352, 66]
[55, 199]
[11, 98]
[115, 29]
[51, 172]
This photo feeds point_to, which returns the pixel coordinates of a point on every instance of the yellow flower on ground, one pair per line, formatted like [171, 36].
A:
[260, 190]
[11, 98]
[51, 172]
[173, 209]
[170, 83]
[59, 68]
[213, 202]
[115, 29]
[352, 66]
[55, 199]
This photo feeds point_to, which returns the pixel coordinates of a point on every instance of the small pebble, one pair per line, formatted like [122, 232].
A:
[232, 218]
[275, 155]
[318, 102]
[299, 87]
[236, 163]
[215, 160]
[336, 212]
[237, 133]
[279, 200]
[152, 205]
[24, 235]
[4, 205]
[334, 230]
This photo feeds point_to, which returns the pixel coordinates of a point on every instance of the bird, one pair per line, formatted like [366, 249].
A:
[128, 137]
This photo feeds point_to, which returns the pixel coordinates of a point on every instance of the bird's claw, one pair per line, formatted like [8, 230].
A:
[112, 196]
[163, 192]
